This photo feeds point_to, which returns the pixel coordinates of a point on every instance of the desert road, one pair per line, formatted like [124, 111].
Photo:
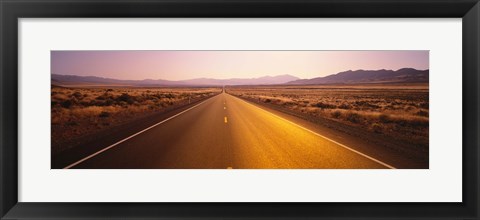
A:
[226, 132]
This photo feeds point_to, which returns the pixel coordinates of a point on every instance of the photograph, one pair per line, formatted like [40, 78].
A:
[239, 109]
[319, 109]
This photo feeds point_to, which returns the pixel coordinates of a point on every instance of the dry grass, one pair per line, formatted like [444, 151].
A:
[76, 112]
[392, 110]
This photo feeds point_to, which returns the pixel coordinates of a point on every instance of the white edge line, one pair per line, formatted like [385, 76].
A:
[348, 148]
[131, 136]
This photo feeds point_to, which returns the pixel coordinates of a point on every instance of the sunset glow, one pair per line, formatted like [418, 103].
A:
[180, 65]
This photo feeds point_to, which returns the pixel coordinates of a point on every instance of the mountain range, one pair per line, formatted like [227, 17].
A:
[405, 75]
[94, 80]
[347, 77]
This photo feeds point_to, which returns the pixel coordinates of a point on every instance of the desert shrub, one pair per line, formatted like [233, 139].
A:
[95, 103]
[389, 107]
[122, 104]
[161, 104]
[104, 114]
[423, 105]
[384, 118]
[169, 95]
[353, 117]
[377, 128]
[422, 113]
[67, 103]
[71, 123]
[289, 104]
[344, 106]
[336, 114]
[366, 104]
[85, 103]
[417, 122]
[268, 100]
[102, 97]
[77, 95]
[60, 96]
[125, 97]
[140, 99]
[409, 108]
[109, 102]
[324, 105]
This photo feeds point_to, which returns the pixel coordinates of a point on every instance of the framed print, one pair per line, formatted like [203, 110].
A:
[223, 109]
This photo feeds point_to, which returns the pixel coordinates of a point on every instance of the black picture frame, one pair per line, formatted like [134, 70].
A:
[12, 10]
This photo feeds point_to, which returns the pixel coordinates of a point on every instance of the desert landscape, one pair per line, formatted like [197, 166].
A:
[398, 111]
[77, 112]
[240, 110]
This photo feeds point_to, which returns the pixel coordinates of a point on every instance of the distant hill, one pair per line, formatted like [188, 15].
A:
[94, 80]
[406, 75]
[265, 80]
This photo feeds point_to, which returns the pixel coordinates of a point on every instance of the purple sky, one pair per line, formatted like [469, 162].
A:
[178, 65]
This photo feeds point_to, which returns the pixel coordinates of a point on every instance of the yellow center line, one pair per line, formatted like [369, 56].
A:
[225, 119]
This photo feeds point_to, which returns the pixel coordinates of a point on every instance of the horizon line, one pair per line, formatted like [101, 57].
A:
[240, 77]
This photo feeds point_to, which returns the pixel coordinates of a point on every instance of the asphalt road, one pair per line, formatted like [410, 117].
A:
[225, 132]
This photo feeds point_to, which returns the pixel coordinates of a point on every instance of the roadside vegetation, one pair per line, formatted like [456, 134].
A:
[397, 111]
[76, 112]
